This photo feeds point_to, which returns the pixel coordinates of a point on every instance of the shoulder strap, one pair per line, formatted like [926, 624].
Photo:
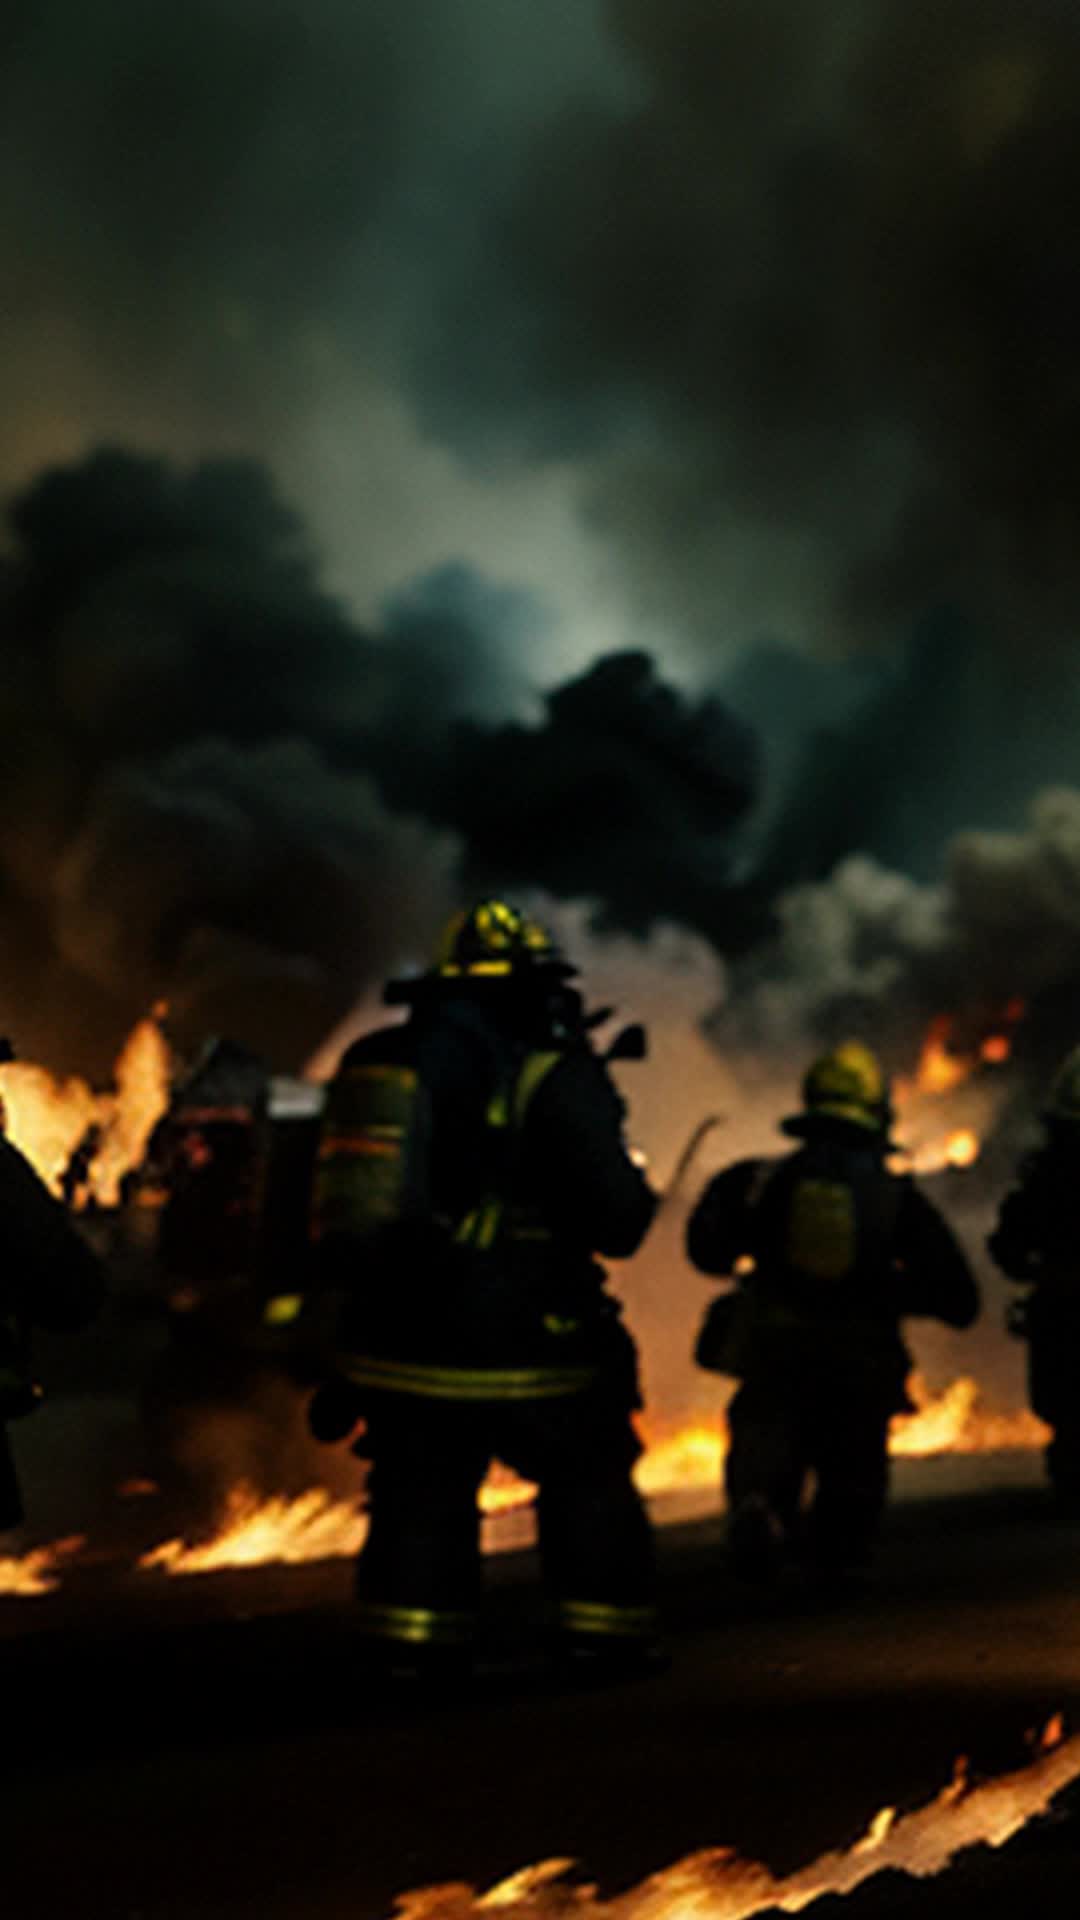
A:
[507, 1112]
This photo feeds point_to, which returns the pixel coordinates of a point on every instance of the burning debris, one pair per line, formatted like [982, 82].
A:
[718, 1885]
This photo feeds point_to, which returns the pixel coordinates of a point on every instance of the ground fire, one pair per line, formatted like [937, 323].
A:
[718, 1885]
[259, 1530]
[686, 1458]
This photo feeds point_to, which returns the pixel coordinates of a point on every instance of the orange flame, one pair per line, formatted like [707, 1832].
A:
[142, 1097]
[961, 1148]
[718, 1885]
[31, 1574]
[47, 1118]
[939, 1071]
[689, 1458]
[256, 1532]
[942, 1068]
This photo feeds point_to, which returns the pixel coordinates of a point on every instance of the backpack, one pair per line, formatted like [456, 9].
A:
[372, 1163]
[373, 1166]
[821, 1240]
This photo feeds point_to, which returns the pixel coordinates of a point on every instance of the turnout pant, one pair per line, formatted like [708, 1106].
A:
[783, 1433]
[419, 1575]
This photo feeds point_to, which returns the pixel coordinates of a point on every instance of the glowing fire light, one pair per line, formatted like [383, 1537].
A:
[255, 1532]
[963, 1148]
[141, 1098]
[47, 1118]
[955, 1422]
[718, 1885]
[939, 1071]
[690, 1458]
[960, 1149]
[28, 1575]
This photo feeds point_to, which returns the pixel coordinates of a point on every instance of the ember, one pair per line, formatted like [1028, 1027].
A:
[718, 1885]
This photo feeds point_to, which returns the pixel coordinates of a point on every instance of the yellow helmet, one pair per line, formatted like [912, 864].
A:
[1065, 1092]
[494, 939]
[846, 1084]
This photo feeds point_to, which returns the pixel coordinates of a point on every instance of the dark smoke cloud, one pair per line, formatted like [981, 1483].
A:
[629, 793]
[808, 312]
[787, 288]
[185, 805]
[222, 223]
[870, 950]
[214, 778]
[891, 758]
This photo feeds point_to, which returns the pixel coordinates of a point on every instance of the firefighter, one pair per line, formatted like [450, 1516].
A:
[830, 1250]
[1036, 1243]
[471, 1170]
[51, 1279]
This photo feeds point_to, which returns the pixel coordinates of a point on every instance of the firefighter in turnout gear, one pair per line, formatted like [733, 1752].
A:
[1036, 1242]
[830, 1250]
[471, 1170]
[51, 1279]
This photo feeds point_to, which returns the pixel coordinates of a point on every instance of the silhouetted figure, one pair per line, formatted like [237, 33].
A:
[471, 1169]
[48, 1278]
[1036, 1242]
[831, 1250]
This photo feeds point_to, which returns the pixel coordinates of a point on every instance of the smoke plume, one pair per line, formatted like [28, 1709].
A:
[870, 950]
[220, 790]
[628, 793]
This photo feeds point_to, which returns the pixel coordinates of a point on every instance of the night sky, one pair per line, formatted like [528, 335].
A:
[369, 374]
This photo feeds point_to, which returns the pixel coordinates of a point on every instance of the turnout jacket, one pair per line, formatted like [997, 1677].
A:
[1036, 1242]
[488, 1286]
[1037, 1237]
[837, 1251]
